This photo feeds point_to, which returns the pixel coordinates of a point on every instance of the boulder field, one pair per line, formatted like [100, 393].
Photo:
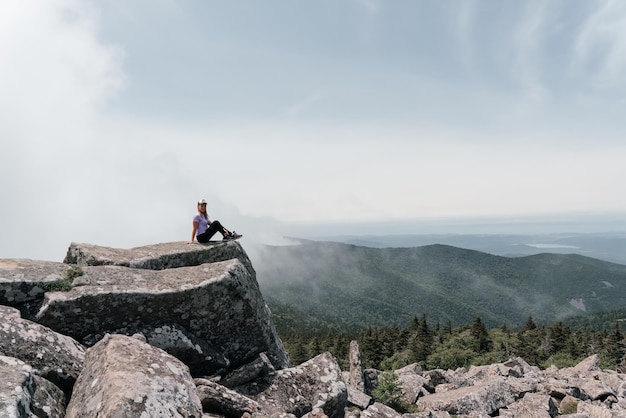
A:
[177, 330]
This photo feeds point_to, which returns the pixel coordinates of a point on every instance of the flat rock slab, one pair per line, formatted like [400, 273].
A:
[158, 256]
[485, 398]
[212, 317]
[23, 282]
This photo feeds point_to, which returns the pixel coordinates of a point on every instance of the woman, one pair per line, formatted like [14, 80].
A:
[204, 229]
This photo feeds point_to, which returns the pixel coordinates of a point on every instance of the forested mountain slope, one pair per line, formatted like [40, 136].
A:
[344, 286]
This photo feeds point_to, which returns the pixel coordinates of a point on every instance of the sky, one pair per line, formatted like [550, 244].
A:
[117, 116]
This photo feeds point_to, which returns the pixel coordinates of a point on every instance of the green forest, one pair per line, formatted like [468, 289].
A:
[440, 346]
[340, 287]
[549, 309]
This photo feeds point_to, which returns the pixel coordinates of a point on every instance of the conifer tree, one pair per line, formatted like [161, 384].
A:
[421, 346]
[614, 347]
[481, 336]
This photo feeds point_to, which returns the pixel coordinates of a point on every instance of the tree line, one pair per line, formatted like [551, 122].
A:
[436, 346]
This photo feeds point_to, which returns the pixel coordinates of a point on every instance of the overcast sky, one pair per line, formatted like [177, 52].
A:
[117, 115]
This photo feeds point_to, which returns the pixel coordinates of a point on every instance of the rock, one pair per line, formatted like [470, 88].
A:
[218, 399]
[48, 400]
[260, 367]
[370, 379]
[411, 382]
[378, 410]
[23, 282]
[212, 317]
[358, 398]
[315, 413]
[316, 383]
[483, 398]
[158, 256]
[533, 405]
[123, 377]
[429, 414]
[356, 371]
[595, 411]
[53, 356]
[17, 387]
[590, 364]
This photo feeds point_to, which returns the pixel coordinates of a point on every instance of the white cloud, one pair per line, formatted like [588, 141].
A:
[601, 47]
[55, 75]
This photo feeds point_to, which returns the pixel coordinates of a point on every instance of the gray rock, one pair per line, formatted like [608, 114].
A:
[356, 371]
[56, 357]
[370, 378]
[378, 410]
[258, 368]
[429, 414]
[483, 398]
[316, 383]
[48, 400]
[590, 364]
[124, 377]
[158, 256]
[17, 388]
[595, 411]
[218, 399]
[315, 413]
[412, 382]
[212, 317]
[533, 405]
[23, 282]
[358, 398]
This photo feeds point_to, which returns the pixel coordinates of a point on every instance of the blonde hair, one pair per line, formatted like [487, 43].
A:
[203, 214]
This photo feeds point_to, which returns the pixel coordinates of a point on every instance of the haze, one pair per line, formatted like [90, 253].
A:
[118, 116]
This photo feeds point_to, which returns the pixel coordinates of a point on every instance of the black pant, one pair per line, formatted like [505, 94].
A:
[215, 226]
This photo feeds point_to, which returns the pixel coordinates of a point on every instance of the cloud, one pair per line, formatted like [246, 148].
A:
[55, 76]
[601, 47]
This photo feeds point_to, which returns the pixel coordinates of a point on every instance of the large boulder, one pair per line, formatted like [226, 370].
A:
[53, 356]
[316, 383]
[212, 316]
[218, 399]
[158, 256]
[125, 377]
[485, 397]
[23, 282]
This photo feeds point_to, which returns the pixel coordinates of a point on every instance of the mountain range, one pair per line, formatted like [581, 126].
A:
[331, 285]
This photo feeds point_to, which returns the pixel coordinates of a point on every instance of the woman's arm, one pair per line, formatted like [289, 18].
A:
[193, 232]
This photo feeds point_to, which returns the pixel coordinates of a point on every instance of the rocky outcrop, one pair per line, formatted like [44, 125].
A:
[125, 377]
[158, 256]
[212, 317]
[196, 310]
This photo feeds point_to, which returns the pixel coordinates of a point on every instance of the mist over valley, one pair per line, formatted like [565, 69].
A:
[387, 280]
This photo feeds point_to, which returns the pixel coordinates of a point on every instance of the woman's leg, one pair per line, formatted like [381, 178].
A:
[215, 226]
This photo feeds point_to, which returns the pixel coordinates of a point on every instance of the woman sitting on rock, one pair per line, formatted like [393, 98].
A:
[204, 229]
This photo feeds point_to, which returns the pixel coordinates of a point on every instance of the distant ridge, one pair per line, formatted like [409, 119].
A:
[336, 285]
